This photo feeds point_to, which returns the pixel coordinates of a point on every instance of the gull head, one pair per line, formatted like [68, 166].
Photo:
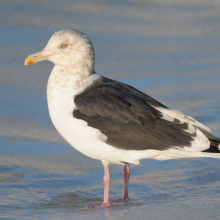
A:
[68, 48]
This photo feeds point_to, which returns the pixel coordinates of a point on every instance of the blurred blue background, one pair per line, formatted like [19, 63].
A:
[169, 49]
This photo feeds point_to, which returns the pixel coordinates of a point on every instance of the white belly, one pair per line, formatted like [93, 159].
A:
[60, 94]
[61, 91]
[87, 140]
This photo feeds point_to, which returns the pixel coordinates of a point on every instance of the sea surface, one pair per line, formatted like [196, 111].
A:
[169, 49]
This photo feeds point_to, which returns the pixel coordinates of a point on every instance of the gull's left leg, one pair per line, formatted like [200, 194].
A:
[126, 172]
[106, 179]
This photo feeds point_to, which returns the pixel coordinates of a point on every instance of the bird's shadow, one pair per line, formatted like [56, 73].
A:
[76, 200]
[72, 199]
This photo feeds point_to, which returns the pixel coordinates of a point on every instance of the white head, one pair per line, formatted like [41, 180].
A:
[67, 48]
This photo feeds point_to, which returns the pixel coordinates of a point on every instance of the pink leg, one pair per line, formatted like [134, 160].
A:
[106, 179]
[126, 172]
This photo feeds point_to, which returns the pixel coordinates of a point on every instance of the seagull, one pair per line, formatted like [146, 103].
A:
[110, 121]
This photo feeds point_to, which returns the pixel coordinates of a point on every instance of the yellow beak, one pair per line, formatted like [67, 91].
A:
[34, 58]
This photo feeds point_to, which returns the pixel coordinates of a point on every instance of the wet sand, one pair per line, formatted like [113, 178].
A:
[170, 50]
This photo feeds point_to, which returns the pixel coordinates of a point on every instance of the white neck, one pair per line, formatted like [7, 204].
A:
[64, 84]
[63, 79]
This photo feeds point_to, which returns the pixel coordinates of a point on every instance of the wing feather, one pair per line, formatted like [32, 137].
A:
[126, 116]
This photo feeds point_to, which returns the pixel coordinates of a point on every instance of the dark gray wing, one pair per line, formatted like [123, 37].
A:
[126, 117]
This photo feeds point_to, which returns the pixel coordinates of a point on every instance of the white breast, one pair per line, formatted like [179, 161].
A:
[61, 90]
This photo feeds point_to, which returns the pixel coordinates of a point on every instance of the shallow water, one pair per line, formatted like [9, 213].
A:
[168, 49]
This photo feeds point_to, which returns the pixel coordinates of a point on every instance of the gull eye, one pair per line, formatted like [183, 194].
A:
[64, 46]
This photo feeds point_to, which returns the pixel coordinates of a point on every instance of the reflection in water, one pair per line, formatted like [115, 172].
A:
[107, 212]
[74, 199]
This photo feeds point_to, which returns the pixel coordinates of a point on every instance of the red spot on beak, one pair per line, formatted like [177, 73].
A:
[30, 62]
